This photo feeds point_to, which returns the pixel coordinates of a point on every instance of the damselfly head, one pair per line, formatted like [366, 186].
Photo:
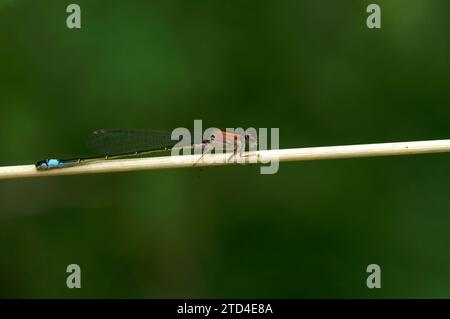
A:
[251, 140]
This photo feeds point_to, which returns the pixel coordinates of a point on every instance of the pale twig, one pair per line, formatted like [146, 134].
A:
[282, 155]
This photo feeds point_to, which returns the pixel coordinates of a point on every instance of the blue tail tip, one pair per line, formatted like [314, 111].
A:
[47, 164]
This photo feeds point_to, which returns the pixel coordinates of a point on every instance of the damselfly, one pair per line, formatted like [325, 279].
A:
[122, 143]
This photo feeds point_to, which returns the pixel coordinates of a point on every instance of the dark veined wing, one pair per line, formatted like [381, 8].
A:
[122, 141]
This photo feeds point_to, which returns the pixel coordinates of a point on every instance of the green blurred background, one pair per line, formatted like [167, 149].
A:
[311, 68]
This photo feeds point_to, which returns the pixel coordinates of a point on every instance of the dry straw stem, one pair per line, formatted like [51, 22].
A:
[283, 155]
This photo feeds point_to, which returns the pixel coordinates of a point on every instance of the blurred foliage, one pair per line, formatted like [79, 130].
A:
[311, 68]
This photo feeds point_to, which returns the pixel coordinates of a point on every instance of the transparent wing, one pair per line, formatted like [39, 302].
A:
[122, 141]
